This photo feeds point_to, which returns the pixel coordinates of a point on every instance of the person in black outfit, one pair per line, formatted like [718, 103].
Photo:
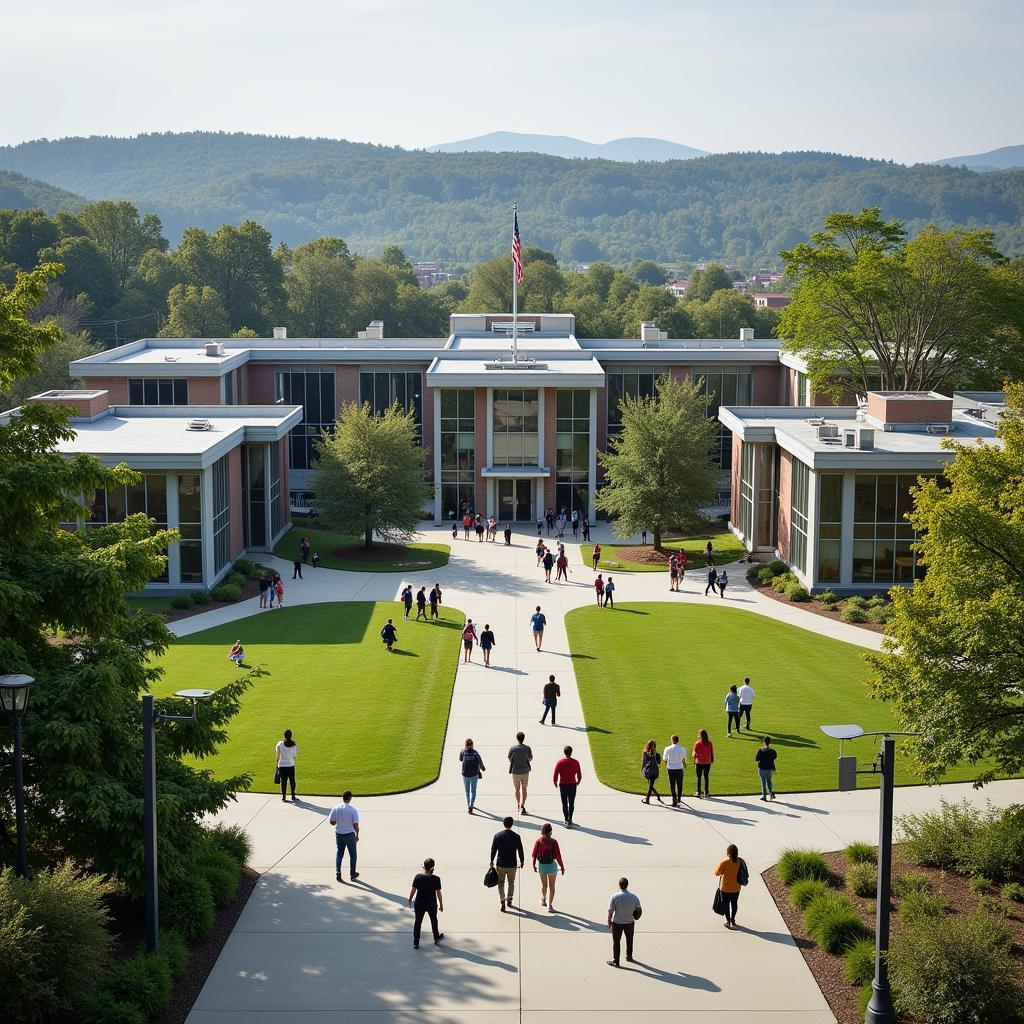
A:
[506, 847]
[549, 564]
[421, 604]
[297, 568]
[508, 535]
[765, 759]
[712, 580]
[407, 599]
[649, 768]
[426, 888]
[389, 635]
[435, 600]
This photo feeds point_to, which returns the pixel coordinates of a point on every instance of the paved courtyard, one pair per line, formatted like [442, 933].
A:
[310, 950]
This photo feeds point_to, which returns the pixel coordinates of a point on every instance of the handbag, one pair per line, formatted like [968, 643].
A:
[277, 776]
[718, 904]
[491, 877]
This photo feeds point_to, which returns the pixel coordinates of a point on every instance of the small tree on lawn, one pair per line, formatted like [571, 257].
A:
[370, 474]
[952, 663]
[659, 470]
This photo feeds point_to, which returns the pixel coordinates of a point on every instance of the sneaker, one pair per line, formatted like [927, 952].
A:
[508, 902]
[354, 875]
[439, 938]
[765, 799]
[551, 910]
[613, 963]
[630, 960]
[773, 796]
[524, 810]
[543, 903]
[501, 907]
[337, 875]
[415, 945]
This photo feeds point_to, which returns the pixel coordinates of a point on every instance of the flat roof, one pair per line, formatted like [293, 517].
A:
[451, 372]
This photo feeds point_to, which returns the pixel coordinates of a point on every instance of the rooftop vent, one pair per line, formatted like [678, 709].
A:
[649, 332]
[859, 438]
[746, 334]
[199, 424]
[280, 333]
[215, 348]
[373, 332]
[171, 359]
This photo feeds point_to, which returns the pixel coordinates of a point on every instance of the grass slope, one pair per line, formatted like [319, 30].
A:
[363, 719]
[415, 558]
[616, 556]
[656, 669]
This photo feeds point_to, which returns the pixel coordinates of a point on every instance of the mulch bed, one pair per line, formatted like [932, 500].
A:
[375, 553]
[832, 612]
[828, 969]
[249, 589]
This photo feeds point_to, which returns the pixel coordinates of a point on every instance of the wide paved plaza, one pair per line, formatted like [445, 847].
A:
[310, 950]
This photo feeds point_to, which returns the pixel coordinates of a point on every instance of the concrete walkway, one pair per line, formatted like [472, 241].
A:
[309, 950]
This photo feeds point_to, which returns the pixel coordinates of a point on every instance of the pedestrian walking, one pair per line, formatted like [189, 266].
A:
[562, 564]
[547, 862]
[264, 586]
[279, 591]
[596, 556]
[426, 899]
[732, 710]
[673, 573]
[508, 535]
[487, 643]
[345, 819]
[586, 531]
[733, 875]
[540, 549]
[467, 526]
[538, 620]
[407, 598]
[552, 691]
[491, 529]
[703, 759]
[519, 758]
[469, 637]
[682, 565]
[549, 517]
[649, 768]
[316, 559]
[709, 554]
[472, 770]
[712, 581]
[575, 525]
[561, 524]
[765, 759]
[421, 604]
[643, 536]
[747, 695]
[549, 564]
[286, 750]
[455, 528]
[479, 528]
[624, 911]
[389, 635]
[435, 600]
[674, 758]
[723, 582]
[271, 590]
[540, 528]
[599, 589]
[609, 593]
[304, 550]
[567, 776]
[506, 857]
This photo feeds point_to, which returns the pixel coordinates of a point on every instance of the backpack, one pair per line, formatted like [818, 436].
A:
[547, 854]
[743, 875]
[467, 633]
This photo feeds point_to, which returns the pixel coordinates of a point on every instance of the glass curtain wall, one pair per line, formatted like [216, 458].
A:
[276, 501]
[157, 391]
[381, 386]
[313, 388]
[254, 488]
[830, 524]
[516, 415]
[458, 452]
[572, 451]
[766, 505]
[625, 381]
[190, 526]
[883, 540]
[221, 514]
[747, 491]
[725, 385]
[799, 494]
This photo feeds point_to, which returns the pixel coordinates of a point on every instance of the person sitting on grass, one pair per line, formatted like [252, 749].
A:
[389, 635]
[237, 654]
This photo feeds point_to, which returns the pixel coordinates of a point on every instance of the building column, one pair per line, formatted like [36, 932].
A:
[592, 460]
[813, 490]
[438, 511]
[173, 522]
[267, 521]
[539, 488]
[846, 530]
[206, 527]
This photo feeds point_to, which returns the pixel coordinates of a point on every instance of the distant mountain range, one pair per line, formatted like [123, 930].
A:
[625, 150]
[20, 193]
[1007, 158]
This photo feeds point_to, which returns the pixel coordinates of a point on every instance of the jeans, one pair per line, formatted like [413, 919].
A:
[732, 900]
[419, 911]
[745, 711]
[675, 781]
[704, 772]
[766, 781]
[345, 841]
[287, 775]
[732, 716]
[568, 795]
[550, 703]
[506, 875]
[470, 781]
[618, 930]
[609, 601]
[651, 791]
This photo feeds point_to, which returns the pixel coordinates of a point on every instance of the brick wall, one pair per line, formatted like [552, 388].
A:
[480, 427]
[346, 384]
[785, 509]
[204, 391]
[680, 372]
[768, 385]
[737, 454]
[910, 410]
[259, 384]
[116, 387]
[429, 427]
[81, 402]
[237, 501]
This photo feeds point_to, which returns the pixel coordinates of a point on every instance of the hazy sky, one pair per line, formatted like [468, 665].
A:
[905, 79]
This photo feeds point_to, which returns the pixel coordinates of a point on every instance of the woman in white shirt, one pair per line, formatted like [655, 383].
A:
[287, 751]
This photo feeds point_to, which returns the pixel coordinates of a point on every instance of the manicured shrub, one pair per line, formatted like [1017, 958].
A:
[796, 592]
[236, 579]
[834, 924]
[222, 873]
[918, 903]
[882, 614]
[933, 838]
[856, 601]
[823, 905]
[181, 601]
[859, 962]
[764, 573]
[851, 613]
[144, 981]
[797, 864]
[862, 879]
[232, 840]
[805, 890]
[174, 950]
[955, 970]
[103, 1008]
[876, 602]
[1014, 892]
[828, 598]
[187, 907]
[912, 881]
[861, 853]
[257, 571]
[243, 566]
[990, 905]
[980, 884]
[778, 567]
[200, 597]
[995, 848]
[227, 592]
[781, 583]
[753, 573]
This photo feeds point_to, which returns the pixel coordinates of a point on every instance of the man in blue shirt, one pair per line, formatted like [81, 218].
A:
[537, 622]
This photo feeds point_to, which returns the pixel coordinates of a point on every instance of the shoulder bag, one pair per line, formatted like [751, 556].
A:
[491, 878]
[718, 904]
[743, 875]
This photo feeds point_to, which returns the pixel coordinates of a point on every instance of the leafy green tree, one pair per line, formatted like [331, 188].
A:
[121, 234]
[659, 472]
[646, 271]
[369, 477]
[83, 740]
[653, 303]
[952, 665]
[726, 312]
[320, 286]
[393, 257]
[23, 234]
[195, 313]
[490, 287]
[51, 369]
[375, 295]
[895, 312]
[87, 271]
[704, 283]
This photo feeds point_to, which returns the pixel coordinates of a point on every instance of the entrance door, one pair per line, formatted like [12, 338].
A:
[515, 501]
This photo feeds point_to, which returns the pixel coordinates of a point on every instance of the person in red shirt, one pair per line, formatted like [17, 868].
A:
[599, 589]
[682, 564]
[547, 861]
[567, 777]
[703, 758]
[597, 555]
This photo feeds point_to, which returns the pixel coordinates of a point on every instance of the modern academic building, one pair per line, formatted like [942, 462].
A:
[223, 431]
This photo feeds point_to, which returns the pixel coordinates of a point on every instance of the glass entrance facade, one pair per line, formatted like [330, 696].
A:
[515, 427]
[515, 501]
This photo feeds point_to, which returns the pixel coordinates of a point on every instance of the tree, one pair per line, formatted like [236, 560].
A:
[369, 478]
[195, 313]
[653, 303]
[64, 621]
[646, 271]
[490, 287]
[726, 312]
[894, 313]
[120, 233]
[952, 665]
[51, 369]
[659, 472]
[23, 233]
[704, 283]
[320, 286]
[87, 271]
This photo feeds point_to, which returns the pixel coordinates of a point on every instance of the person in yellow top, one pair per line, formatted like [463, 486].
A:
[732, 874]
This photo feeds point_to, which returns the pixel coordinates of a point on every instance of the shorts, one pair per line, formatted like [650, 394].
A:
[547, 869]
[485, 647]
[521, 778]
[468, 644]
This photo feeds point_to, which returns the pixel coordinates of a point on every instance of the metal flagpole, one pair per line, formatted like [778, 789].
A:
[515, 298]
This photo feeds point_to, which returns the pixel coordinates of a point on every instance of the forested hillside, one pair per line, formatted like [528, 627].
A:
[740, 207]
[20, 193]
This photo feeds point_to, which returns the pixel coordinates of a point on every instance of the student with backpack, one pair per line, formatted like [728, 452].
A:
[389, 635]
[421, 604]
[435, 600]
[469, 637]
[733, 875]
[407, 598]
[472, 770]
[547, 862]
[609, 591]
[649, 768]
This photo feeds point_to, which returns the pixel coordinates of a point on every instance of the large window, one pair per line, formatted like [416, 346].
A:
[803, 390]
[190, 526]
[883, 540]
[626, 381]
[725, 385]
[458, 452]
[516, 414]
[276, 501]
[830, 523]
[221, 514]
[764, 455]
[747, 491]
[313, 389]
[799, 491]
[381, 386]
[572, 451]
[157, 391]
[254, 487]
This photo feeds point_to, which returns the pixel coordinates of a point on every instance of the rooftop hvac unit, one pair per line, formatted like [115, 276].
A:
[943, 429]
[860, 438]
[215, 348]
[199, 425]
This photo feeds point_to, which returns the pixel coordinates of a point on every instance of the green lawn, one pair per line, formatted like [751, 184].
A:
[651, 670]
[616, 556]
[149, 604]
[363, 719]
[421, 556]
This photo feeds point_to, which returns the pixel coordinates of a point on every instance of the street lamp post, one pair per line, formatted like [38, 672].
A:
[13, 701]
[151, 717]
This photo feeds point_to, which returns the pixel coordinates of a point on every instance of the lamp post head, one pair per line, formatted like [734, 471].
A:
[194, 695]
[14, 693]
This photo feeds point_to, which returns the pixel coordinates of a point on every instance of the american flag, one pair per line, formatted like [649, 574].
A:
[517, 252]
